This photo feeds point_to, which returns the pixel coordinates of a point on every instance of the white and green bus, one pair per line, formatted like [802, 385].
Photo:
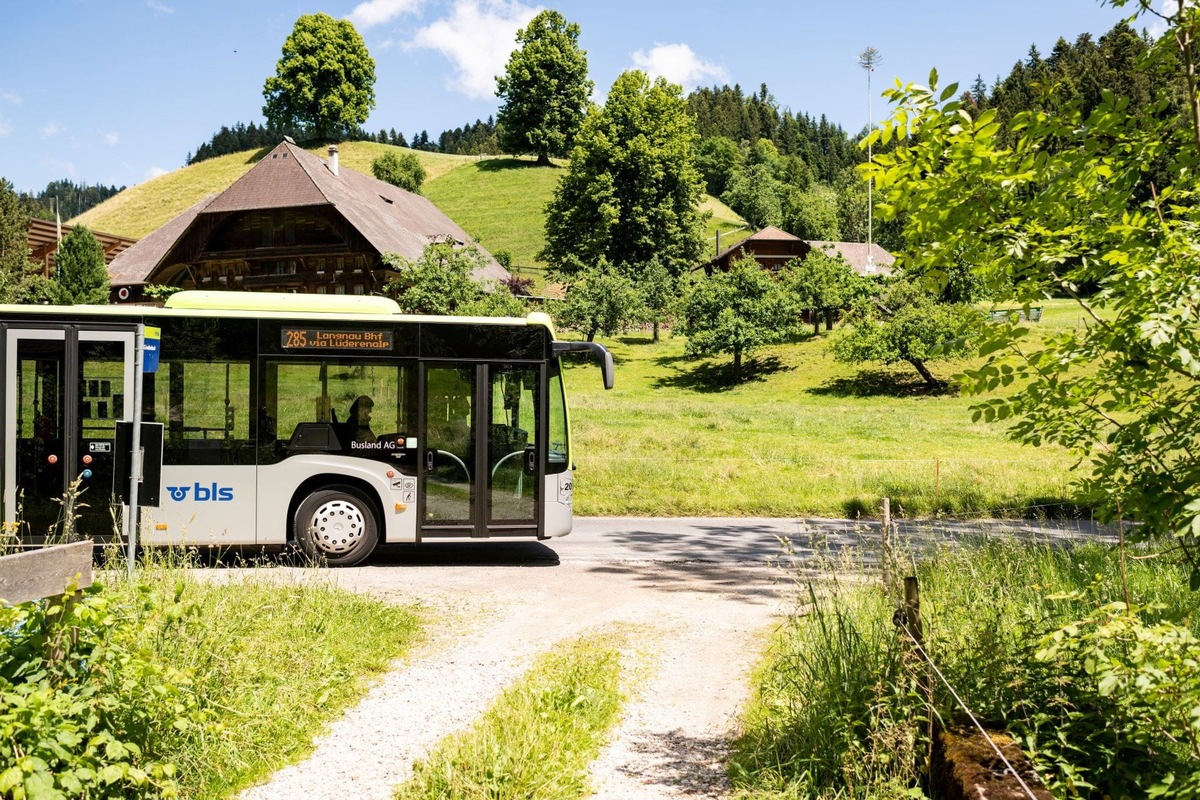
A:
[235, 419]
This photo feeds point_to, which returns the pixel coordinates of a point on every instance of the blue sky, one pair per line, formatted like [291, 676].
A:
[118, 91]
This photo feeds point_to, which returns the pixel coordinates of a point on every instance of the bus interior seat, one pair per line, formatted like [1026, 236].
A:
[314, 437]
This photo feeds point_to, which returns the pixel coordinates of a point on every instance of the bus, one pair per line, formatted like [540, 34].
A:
[241, 419]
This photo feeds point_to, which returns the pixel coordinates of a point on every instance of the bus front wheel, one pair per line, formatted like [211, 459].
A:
[336, 525]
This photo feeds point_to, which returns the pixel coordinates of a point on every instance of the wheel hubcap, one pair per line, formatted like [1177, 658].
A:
[337, 526]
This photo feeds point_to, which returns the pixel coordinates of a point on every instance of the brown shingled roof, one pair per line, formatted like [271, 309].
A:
[389, 218]
[855, 254]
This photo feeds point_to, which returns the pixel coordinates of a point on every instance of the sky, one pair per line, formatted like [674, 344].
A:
[116, 92]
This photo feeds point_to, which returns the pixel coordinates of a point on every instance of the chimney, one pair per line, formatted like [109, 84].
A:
[333, 159]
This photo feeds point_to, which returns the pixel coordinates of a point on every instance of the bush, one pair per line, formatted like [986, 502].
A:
[95, 722]
[403, 170]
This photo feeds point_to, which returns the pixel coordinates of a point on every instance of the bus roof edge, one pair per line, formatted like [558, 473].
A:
[275, 301]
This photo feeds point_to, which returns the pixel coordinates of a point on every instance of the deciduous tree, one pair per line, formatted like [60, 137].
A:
[544, 88]
[1098, 209]
[600, 300]
[400, 169]
[17, 273]
[440, 282]
[325, 80]
[820, 283]
[735, 312]
[905, 323]
[632, 192]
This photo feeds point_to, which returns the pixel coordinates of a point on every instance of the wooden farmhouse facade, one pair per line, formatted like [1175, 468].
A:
[772, 248]
[293, 223]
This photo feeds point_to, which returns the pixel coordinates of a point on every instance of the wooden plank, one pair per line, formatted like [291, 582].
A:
[36, 574]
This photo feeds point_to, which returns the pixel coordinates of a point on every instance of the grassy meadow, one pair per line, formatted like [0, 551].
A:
[803, 435]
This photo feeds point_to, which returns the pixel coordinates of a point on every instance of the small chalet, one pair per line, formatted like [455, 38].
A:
[293, 223]
[43, 238]
[772, 248]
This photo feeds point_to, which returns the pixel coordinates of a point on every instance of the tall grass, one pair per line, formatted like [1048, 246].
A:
[838, 712]
[536, 742]
[271, 661]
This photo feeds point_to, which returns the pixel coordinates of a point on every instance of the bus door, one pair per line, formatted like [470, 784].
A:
[66, 388]
[481, 467]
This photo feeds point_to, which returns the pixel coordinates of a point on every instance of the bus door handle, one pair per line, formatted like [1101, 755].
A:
[531, 461]
[429, 459]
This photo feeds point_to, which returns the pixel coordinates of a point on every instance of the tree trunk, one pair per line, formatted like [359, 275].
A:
[928, 376]
[816, 321]
[543, 160]
[655, 330]
[592, 334]
[737, 365]
[829, 313]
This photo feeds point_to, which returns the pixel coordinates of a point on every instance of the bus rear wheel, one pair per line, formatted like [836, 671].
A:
[336, 525]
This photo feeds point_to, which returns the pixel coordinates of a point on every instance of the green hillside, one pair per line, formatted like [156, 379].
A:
[499, 201]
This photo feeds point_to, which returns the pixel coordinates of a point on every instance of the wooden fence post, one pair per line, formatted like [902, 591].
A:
[885, 549]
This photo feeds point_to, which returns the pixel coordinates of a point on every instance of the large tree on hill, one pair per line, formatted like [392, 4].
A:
[325, 80]
[82, 276]
[632, 192]
[545, 89]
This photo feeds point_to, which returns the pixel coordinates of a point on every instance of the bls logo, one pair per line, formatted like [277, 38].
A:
[202, 494]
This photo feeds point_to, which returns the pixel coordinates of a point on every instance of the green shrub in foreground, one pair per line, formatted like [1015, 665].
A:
[176, 687]
[97, 722]
[536, 742]
[1106, 699]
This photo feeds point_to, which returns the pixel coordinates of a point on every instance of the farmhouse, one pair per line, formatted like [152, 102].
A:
[293, 223]
[772, 248]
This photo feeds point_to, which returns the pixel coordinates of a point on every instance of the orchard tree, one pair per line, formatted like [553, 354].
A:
[822, 284]
[632, 192]
[736, 312]
[544, 88]
[325, 80]
[906, 324]
[600, 300]
[82, 275]
[400, 169]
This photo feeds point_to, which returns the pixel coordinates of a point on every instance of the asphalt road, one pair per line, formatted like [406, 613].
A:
[745, 541]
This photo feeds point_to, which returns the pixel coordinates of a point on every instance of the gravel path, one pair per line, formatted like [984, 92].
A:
[707, 625]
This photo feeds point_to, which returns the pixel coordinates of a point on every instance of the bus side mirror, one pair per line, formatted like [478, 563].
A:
[597, 351]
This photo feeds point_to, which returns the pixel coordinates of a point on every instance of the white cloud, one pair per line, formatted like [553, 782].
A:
[678, 64]
[112, 137]
[1156, 26]
[154, 172]
[478, 39]
[377, 12]
[50, 129]
[5, 127]
[10, 96]
[153, 5]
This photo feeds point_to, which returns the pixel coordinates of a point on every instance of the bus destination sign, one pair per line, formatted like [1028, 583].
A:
[345, 339]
